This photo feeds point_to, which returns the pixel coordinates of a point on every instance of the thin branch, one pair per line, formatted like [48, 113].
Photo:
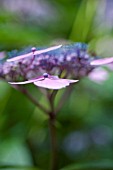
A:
[53, 94]
[51, 98]
[64, 97]
[32, 99]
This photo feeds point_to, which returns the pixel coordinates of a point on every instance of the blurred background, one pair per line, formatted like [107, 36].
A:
[85, 123]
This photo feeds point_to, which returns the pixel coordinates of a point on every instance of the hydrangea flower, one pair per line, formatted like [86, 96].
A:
[48, 81]
[73, 61]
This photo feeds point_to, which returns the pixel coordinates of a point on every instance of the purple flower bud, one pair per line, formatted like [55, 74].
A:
[33, 49]
[73, 59]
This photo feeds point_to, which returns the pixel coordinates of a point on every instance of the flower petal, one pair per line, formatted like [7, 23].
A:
[54, 83]
[102, 61]
[99, 75]
[27, 82]
[47, 49]
[34, 53]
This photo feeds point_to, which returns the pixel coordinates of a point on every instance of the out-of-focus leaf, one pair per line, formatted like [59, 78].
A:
[18, 168]
[5, 92]
[20, 36]
[83, 21]
[102, 165]
[13, 151]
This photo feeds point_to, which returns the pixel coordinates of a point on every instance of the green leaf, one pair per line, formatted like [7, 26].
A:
[7, 167]
[96, 165]
[13, 151]
[84, 21]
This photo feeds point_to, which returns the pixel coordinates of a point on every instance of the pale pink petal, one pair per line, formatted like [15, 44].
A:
[98, 75]
[34, 53]
[20, 57]
[54, 83]
[47, 49]
[27, 82]
[102, 61]
[110, 66]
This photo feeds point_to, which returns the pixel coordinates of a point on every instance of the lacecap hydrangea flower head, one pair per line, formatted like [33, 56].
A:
[42, 66]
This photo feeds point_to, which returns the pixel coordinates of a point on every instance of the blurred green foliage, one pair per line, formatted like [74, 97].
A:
[85, 123]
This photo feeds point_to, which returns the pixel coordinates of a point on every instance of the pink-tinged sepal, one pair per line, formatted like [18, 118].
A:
[48, 81]
[101, 61]
[29, 81]
[33, 52]
[99, 75]
[53, 83]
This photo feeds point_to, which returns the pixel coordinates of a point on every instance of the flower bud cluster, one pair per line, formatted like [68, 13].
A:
[73, 59]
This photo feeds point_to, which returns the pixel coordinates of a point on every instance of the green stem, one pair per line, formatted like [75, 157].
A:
[63, 99]
[52, 119]
[53, 141]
